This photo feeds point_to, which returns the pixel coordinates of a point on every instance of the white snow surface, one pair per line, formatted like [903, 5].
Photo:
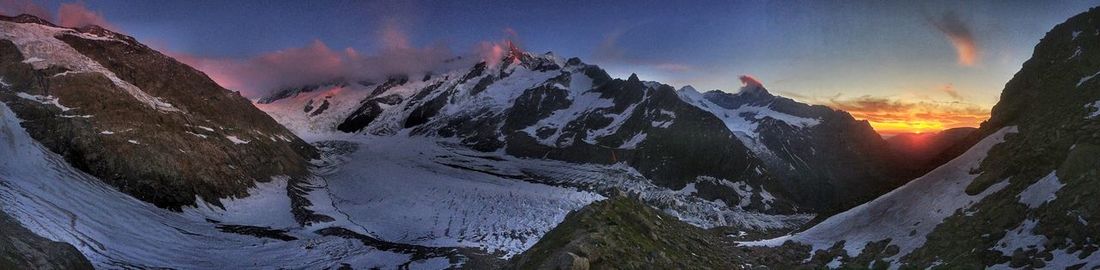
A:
[38, 44]
[236, 140]
[733, 117]
[115, 230]
[1041, 191]
[400, 190]
[919, 206]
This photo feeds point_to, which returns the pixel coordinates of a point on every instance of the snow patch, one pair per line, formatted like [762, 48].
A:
[633, 141]
[1095, 105]
[918, 207]
[46, 100]
[236, 140]
[1086, 78]
[1041, 191]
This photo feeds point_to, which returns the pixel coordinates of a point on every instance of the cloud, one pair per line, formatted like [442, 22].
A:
[750, 81]
[76, 15]
[950, 91]
[892, 116]
[492, 52]
[960, 36]
[316, 63]
[16, 7]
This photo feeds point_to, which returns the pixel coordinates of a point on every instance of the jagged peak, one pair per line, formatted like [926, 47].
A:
[27, 18]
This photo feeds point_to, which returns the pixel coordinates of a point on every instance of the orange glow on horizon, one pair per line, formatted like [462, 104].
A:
[886, 124]
[891, 117]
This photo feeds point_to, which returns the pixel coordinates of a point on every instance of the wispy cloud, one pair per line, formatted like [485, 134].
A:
[315, 63]
[949, 89]
[958, 32]
[892, 116]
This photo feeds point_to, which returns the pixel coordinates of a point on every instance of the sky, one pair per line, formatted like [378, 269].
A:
[905, 66]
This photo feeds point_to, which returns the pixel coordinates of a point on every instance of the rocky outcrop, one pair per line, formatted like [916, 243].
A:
[141, 121]
[623, 233]
[22, 249]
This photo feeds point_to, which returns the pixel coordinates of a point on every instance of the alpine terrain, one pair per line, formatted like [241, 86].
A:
[114, 155]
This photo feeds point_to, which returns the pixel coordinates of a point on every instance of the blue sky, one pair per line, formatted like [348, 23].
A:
[817, 51]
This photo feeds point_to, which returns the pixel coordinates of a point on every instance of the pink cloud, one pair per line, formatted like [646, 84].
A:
[748, 80]
[76, 15]
[317, 63]
[958, 32]
[492, 52]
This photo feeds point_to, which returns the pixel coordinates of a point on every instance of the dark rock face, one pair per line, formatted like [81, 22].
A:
[22, 249]
[209, 143]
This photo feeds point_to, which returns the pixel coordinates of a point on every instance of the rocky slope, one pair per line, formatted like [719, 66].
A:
[145, 123]
[754, 152]
[1023, 196]
[622, 232]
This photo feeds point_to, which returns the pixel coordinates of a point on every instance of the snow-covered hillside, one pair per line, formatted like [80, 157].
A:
[906, 215]
[1022, 196]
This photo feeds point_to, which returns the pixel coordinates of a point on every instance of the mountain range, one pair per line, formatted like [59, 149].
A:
[135, 160]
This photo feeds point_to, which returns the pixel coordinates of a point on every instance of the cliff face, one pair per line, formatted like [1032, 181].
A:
[141, 121]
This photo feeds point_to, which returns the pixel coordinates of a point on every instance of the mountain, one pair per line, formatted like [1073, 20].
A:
[143, 122]
[138, 161]
[926, 151]
[749, 151]
[1022, 196]
[811, 148]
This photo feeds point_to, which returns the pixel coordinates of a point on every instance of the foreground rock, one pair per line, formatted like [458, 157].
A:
[624, 233]
[22, 249]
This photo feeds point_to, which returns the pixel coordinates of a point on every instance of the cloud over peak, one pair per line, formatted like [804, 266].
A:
[76, 15]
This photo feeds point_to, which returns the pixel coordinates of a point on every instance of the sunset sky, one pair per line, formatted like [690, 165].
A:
[913, 66]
